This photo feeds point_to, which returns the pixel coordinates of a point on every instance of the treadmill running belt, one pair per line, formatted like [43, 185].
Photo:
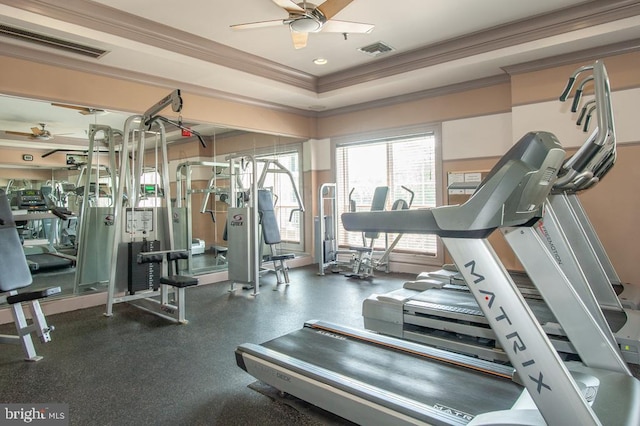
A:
[463, 302]
[428, 382]
[45, 261]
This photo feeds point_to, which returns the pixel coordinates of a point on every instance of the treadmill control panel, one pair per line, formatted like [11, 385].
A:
[31, 199]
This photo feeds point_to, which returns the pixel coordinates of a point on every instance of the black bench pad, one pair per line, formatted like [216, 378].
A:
[282, 257]
[180, 281]
[33, 295]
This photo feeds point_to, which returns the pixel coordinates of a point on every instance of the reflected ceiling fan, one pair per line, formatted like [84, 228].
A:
[82, 110]
[39, 133]
[305, 18]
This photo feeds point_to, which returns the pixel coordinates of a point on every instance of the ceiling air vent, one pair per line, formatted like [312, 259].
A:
[55, 43]
[376, 49]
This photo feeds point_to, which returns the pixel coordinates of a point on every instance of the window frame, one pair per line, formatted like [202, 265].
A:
[404, 262]
[296, 147]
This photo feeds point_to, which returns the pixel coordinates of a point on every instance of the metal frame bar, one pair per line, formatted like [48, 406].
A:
[538, 365]
[584, 323]
[24, 328]
[162, 307]
[566, 239]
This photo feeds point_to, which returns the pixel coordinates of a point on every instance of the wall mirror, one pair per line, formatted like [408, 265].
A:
[44, 164]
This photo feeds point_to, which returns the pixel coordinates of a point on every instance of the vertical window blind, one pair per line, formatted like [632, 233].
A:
[408, 161]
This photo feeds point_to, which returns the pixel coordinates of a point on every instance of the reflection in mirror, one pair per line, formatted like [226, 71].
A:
[62, 175]
[204, 191]
[43, 150]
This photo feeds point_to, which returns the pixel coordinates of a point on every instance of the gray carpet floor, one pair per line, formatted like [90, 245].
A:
[137, 369]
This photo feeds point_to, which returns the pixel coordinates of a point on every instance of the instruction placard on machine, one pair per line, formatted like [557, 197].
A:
[139, 221]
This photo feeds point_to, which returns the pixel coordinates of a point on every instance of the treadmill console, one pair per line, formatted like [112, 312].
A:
[31, 199]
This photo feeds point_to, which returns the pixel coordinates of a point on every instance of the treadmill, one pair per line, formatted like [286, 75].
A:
[42, 256]
[438, 309]
[373, 379]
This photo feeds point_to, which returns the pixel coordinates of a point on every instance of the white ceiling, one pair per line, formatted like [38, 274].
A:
[190, 45]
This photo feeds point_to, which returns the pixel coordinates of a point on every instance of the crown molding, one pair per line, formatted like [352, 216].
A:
[113, 21]
[416, 96]
[526, 30]
[575, 57]
[57, 60]
[116, 22]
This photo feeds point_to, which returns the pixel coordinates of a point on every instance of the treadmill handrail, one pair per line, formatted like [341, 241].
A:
[510, 195]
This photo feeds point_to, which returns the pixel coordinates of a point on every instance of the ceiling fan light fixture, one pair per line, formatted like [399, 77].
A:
[305, 25]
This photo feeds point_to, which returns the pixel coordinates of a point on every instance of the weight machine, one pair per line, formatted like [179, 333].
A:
[143, 244]
[245, 230]
[95, 186]
[184, 205]
[362, 262]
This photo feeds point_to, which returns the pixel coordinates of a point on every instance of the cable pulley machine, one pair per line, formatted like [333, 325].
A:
[143, 253]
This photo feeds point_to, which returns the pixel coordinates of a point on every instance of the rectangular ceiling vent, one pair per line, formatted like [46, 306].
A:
[55, 43]
[376, 49]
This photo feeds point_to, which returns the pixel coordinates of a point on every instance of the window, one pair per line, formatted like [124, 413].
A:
[397, 161]
[284, 179]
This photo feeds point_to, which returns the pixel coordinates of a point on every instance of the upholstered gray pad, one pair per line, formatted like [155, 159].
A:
[270, 229]
[14, 270]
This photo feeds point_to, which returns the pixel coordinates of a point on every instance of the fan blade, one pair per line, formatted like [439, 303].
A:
[334, 26]
[257, 24]
[82, 110]
[299, 39]
[288, 5]
[79, 108]
[331, 7]
[9, 132]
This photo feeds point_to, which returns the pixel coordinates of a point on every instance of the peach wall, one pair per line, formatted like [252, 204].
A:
[548, 84]
[13, 156]
[612, 204]
[39, 81]
[471, 103]
[613, 207]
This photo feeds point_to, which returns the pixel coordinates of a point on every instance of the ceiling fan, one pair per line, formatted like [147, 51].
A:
[39, 133]
[82, 110]
[305, 18]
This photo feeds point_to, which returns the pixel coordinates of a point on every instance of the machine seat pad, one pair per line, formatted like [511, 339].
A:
[33, 295]
[150, 257]
[176, 255]
[282, 256]
[180, 281]
[361, 249]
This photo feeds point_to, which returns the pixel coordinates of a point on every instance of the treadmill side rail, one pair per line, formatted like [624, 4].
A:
[341, 395]
[540, 368]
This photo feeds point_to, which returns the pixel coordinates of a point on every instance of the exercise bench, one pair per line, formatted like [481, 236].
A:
[171, 278]
[15, 275]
